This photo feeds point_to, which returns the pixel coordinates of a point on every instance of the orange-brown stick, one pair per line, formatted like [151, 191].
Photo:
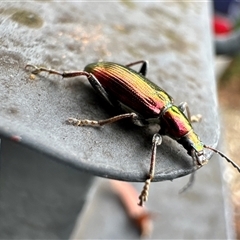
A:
[128, 195]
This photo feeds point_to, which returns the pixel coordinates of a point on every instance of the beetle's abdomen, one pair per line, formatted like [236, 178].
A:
[130, 88]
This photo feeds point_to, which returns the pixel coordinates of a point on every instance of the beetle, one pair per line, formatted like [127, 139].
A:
[144, 103]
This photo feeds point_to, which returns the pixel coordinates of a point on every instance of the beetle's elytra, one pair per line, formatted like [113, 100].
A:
[144, 103]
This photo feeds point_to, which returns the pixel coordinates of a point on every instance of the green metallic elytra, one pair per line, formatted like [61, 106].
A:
[145, 103]
[130, 88]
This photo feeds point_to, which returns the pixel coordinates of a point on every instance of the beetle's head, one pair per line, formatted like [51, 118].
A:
[194, 147]
[199, 156]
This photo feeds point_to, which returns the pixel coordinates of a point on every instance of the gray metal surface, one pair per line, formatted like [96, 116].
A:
[39, 198]
[175, 38]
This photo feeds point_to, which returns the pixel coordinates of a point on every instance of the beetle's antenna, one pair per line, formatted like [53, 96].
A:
[224, 156]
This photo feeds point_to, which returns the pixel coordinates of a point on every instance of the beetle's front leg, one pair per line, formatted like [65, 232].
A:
[156, 141]
[183, 106]
[98, 123]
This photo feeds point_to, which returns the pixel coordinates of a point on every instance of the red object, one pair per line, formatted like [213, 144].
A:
[140, 216]
[222, 25]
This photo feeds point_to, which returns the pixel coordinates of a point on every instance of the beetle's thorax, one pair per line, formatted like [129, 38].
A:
[174, 122]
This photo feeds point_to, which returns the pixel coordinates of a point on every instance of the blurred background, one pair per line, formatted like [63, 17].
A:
[226, 25]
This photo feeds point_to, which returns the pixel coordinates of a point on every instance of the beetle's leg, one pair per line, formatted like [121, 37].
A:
[192, 176]
[99, 88]
[189, 184]
[137, 120]
[37, 70]
[156, 141]
[144, 67]
[91, 78]
[183, 106]
[98, 123]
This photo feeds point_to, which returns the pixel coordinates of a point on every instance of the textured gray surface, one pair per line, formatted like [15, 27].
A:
[39, 198]
[174, 37]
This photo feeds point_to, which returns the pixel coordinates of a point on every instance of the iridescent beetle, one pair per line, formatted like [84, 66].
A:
[143, 101]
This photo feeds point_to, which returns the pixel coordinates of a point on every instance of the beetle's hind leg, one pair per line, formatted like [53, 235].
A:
[156, 141]
[37, 70]
[144, 67]
[192, 176]
[183, 106]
